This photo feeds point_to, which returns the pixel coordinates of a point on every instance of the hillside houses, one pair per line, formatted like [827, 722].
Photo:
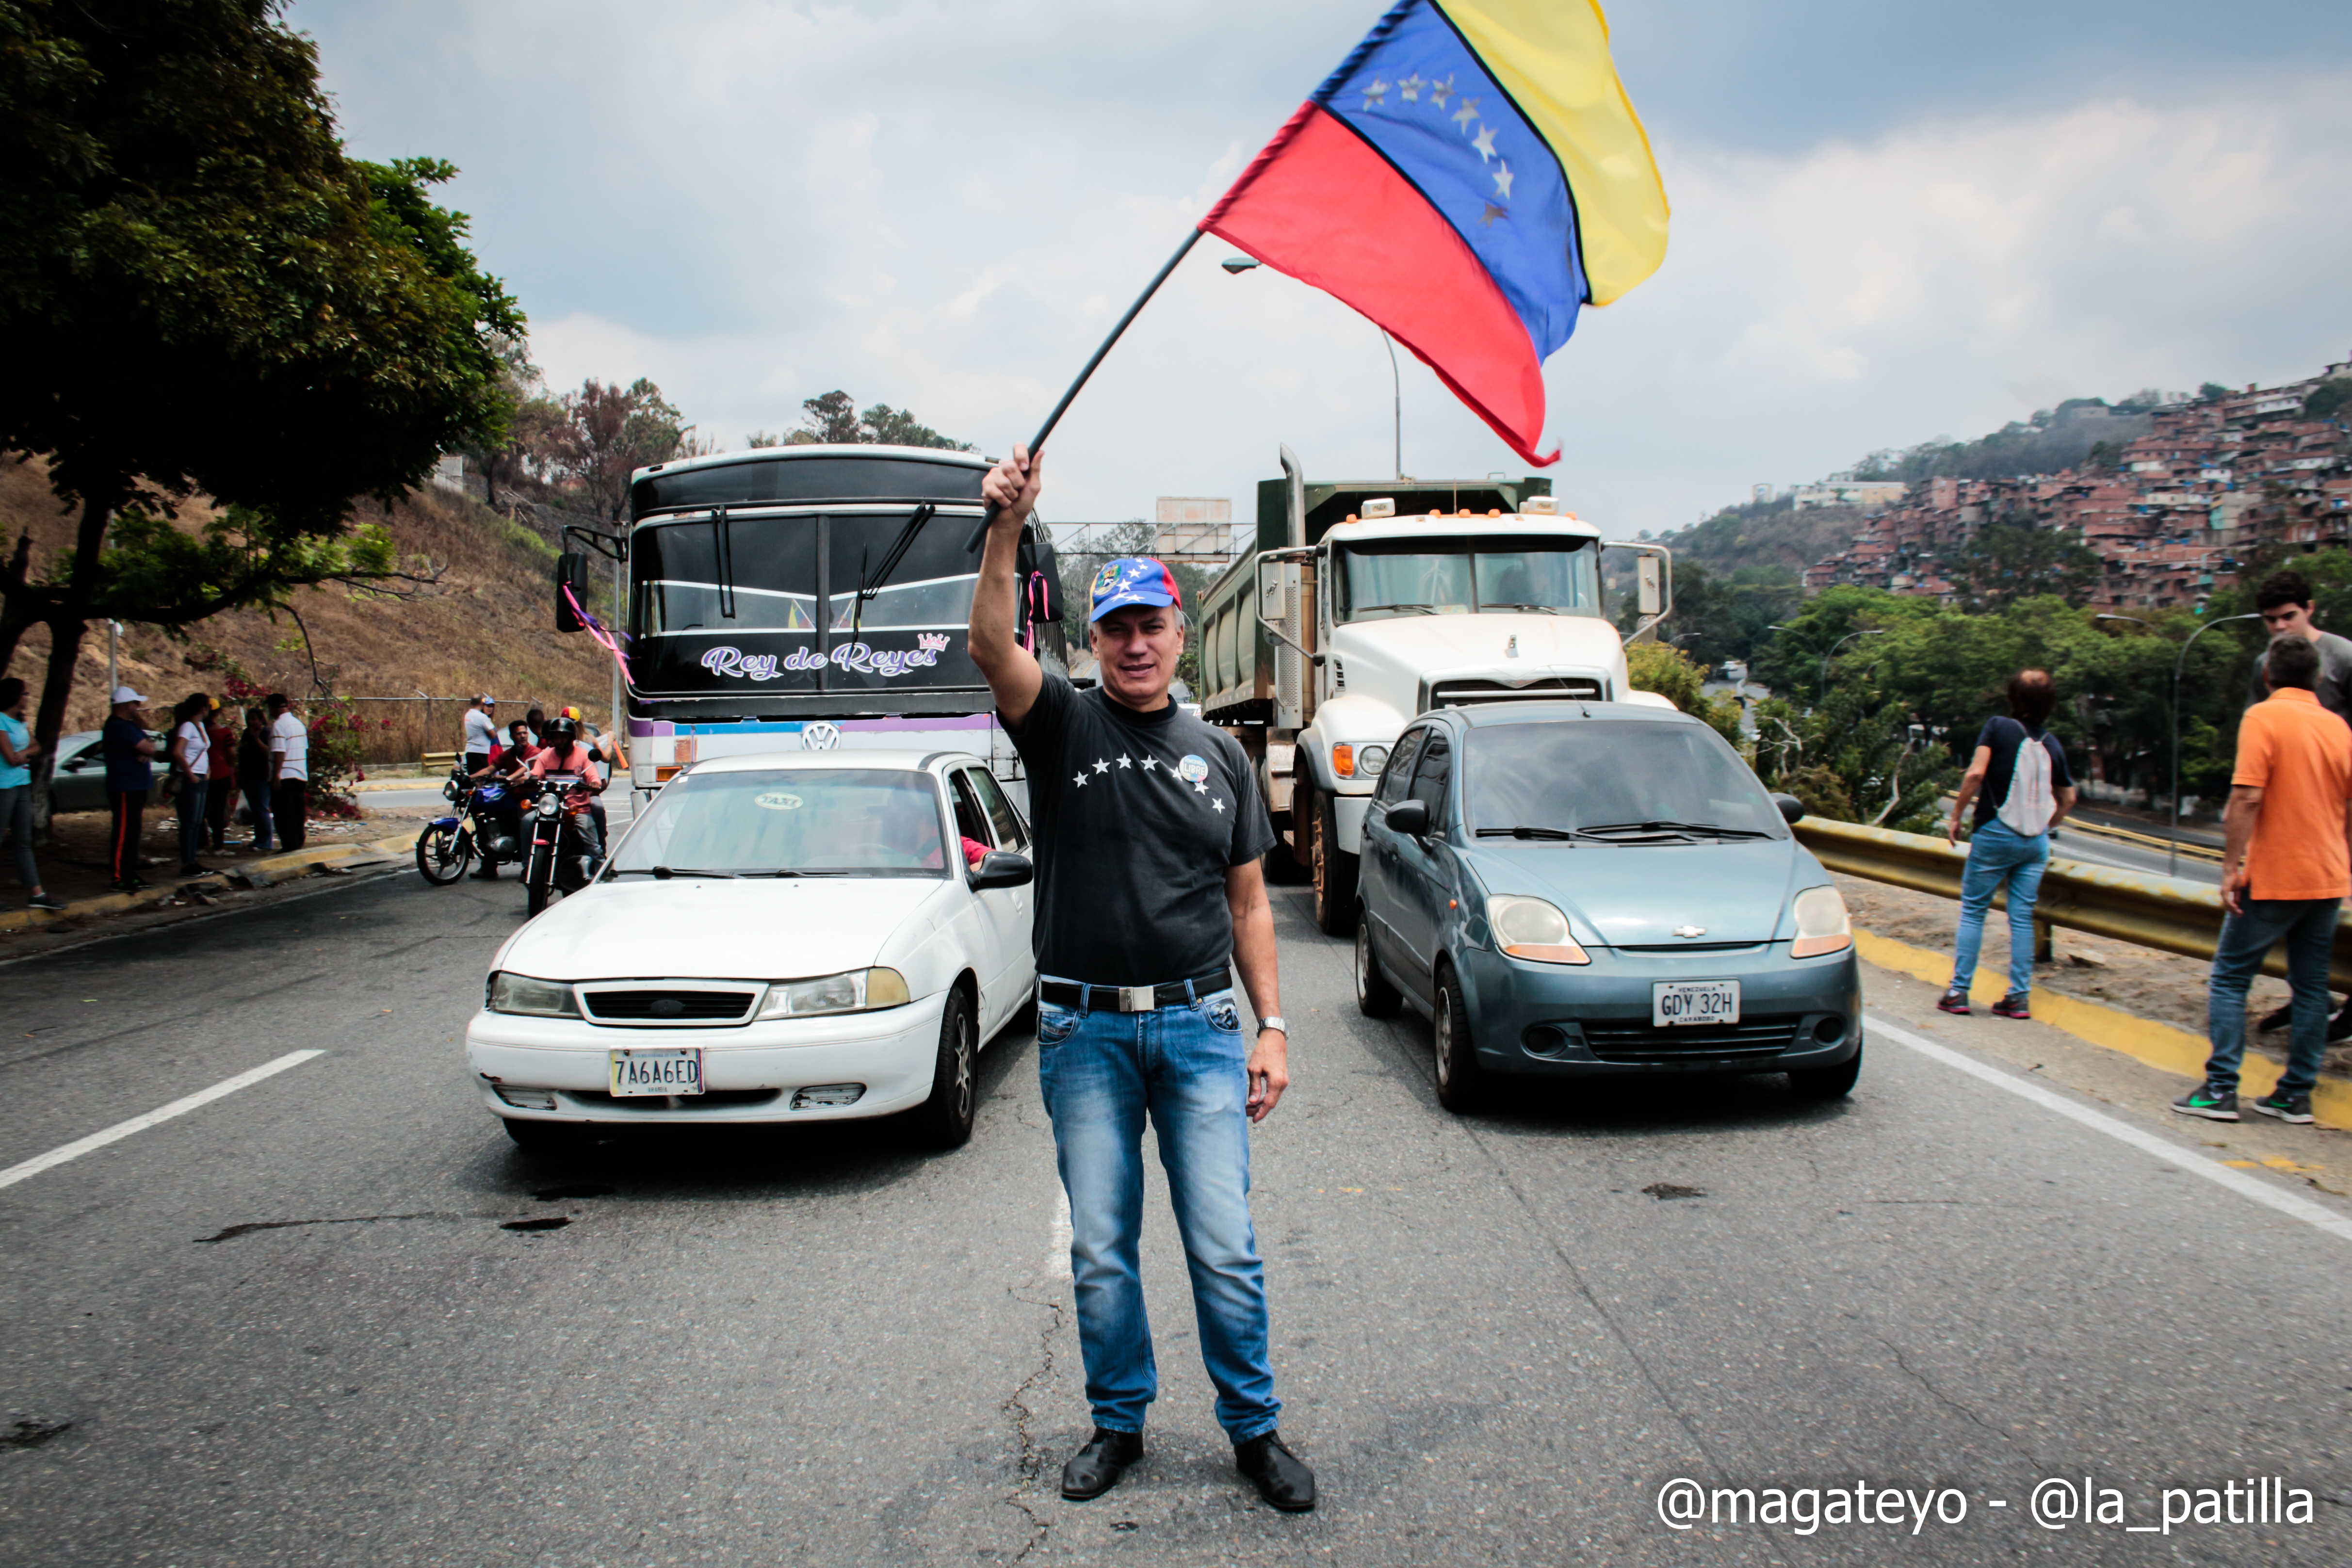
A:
[2212, 482]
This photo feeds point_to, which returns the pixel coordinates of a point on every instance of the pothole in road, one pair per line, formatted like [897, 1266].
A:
[1663, 1190]
[32, 1434]
[558, 1194]
[545, 1222]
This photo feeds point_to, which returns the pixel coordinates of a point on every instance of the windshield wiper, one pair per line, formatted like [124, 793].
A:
[1716, 829]
[799, 874]
[897, 551]
[1539, 609]
[1527, 832]
[663, 873]
[1425, 609]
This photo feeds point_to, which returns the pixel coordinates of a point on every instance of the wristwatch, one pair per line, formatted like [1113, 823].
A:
[1273, 1021]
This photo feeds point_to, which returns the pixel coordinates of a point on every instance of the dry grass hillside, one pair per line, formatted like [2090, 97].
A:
[487, 625]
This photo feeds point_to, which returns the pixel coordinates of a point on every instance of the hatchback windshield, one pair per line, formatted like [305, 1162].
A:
[830, 822]
[1503, 575]
[1573, 777]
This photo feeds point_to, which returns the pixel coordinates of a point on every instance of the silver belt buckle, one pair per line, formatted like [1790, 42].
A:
[1137, 999]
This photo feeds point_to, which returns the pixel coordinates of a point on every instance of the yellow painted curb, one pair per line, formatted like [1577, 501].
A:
[2159, 1045]
[124, 902]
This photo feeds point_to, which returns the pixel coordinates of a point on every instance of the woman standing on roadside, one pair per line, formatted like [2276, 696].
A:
[253, 775]
[192, 770]
[220, 777]
[2019, 781]
[17, 753]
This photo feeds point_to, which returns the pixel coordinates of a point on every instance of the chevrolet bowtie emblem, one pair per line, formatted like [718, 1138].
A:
[1690, 930]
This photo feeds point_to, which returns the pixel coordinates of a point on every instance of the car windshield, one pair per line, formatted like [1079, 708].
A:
[1487, 576]
[1581, 777]
[806, 821]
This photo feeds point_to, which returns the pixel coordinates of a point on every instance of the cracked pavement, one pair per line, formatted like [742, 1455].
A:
[300, 1324]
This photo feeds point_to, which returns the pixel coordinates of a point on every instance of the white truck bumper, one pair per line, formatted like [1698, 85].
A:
[1347, 821]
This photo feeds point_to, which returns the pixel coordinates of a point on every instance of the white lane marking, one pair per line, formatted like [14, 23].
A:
[2318, 1215]
[1058, 1249]
[99, 1139]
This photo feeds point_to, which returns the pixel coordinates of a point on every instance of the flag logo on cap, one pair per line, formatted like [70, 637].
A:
[1133, 579]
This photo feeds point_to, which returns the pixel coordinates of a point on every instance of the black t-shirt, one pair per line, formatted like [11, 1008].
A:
[2005, 736]
[1138, 817]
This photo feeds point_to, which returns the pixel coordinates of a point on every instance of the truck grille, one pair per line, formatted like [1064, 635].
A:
[1766, 1034]
[1549, 688]
[667, 1006]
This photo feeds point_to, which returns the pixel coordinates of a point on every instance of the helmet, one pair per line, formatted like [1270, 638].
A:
[564, 729]
[574, 714]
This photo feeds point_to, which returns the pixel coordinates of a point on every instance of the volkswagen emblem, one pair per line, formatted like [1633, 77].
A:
[1686, 932]
[820, 737]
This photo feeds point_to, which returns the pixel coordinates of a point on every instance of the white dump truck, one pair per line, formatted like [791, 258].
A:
[1367, 603]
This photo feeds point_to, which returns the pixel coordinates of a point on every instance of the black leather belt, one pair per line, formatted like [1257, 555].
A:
[1131, 999]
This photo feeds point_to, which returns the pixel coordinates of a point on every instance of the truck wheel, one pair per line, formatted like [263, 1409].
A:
[1375, 998]
[1334, 875]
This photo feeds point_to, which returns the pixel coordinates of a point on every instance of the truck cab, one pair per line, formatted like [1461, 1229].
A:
[1318, 652]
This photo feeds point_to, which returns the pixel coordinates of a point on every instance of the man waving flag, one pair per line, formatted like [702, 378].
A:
[1469, 179]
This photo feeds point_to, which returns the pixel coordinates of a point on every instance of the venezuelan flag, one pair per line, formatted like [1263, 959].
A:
[1469, 179]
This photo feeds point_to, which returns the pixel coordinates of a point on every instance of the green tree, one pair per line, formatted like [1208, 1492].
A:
[2328, 400]
[203, 293]
[2009, 561]
[1670, 672]
[832, 417]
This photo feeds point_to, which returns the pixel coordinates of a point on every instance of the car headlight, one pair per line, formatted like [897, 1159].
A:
[1821, 924]
[533, 999]
[1530, 928]
[1371, 760]
[858, 991]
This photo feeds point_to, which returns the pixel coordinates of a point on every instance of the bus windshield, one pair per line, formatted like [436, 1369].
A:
[1500, 575]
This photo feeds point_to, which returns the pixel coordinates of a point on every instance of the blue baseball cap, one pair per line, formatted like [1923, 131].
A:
[1133, 579]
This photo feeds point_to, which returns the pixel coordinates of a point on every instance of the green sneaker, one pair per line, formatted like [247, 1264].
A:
[2212, 1102]
[2286, 1107]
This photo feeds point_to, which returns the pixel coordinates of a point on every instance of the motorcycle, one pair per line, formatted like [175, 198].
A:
[558, 830]
[449, 843]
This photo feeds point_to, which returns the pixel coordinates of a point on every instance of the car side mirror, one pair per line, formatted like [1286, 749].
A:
[1410, 818]
[1793, 811]
[1002, 869]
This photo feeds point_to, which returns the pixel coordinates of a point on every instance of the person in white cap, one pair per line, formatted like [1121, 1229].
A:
[130, 774]
[482, 732]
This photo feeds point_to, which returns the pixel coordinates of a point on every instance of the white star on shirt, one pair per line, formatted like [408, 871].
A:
[1101, 767]
[1465, 114]
[1149, 763]
[1126, 762]
[1200, 789]
[1220, 805]
[1485, 142]
[1081, 780]
[1503, 180]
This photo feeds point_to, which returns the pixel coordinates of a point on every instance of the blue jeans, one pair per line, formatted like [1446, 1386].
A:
[2308, 928]
[256, 800]
[1184, 1066]
[191, 803]
[1998, 855]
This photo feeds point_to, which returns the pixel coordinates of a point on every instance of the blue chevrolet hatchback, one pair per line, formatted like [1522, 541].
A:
[1574, 889]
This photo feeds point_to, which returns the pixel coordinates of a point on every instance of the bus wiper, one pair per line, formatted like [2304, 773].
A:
[898, 552]
[1528, 833]
[1425, 609]
[722, 534]
[1716, 829]
[1539, 609]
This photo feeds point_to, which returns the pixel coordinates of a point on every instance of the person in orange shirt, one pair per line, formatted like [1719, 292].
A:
[2284, 875]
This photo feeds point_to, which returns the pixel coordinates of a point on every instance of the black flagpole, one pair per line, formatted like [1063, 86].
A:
[1191, 238]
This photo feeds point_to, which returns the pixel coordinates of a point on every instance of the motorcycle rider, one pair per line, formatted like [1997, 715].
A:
[509, 765]
[564, 753]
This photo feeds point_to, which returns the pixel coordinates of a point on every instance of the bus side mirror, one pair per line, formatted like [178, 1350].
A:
[572, 575]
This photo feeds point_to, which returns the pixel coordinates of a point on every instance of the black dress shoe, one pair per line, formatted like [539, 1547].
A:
[1096, 1469]
[1281, 1476]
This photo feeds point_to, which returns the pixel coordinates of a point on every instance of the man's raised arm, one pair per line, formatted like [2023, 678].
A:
[1011, 670]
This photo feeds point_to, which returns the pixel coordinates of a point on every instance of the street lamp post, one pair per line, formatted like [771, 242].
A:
[2173, 856]
[1238, 265]
[1823, 695]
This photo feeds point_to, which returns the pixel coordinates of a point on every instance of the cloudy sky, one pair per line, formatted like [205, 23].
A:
[1893, 221]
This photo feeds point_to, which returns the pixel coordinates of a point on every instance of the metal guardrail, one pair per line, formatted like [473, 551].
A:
[2170, 913]
[2189, 849]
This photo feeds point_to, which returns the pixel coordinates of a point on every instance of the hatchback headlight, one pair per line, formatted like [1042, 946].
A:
[1530, 928]
[532, 999]
[858, 991]
[1821, 924]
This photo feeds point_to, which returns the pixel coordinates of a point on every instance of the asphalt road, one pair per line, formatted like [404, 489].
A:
[2097, 851]
[293, 1325]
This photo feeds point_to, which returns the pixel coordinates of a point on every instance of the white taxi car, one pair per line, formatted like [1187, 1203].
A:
[784, 938]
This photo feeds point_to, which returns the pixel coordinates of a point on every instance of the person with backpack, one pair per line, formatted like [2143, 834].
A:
[2019, 781]
[2284, 875]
